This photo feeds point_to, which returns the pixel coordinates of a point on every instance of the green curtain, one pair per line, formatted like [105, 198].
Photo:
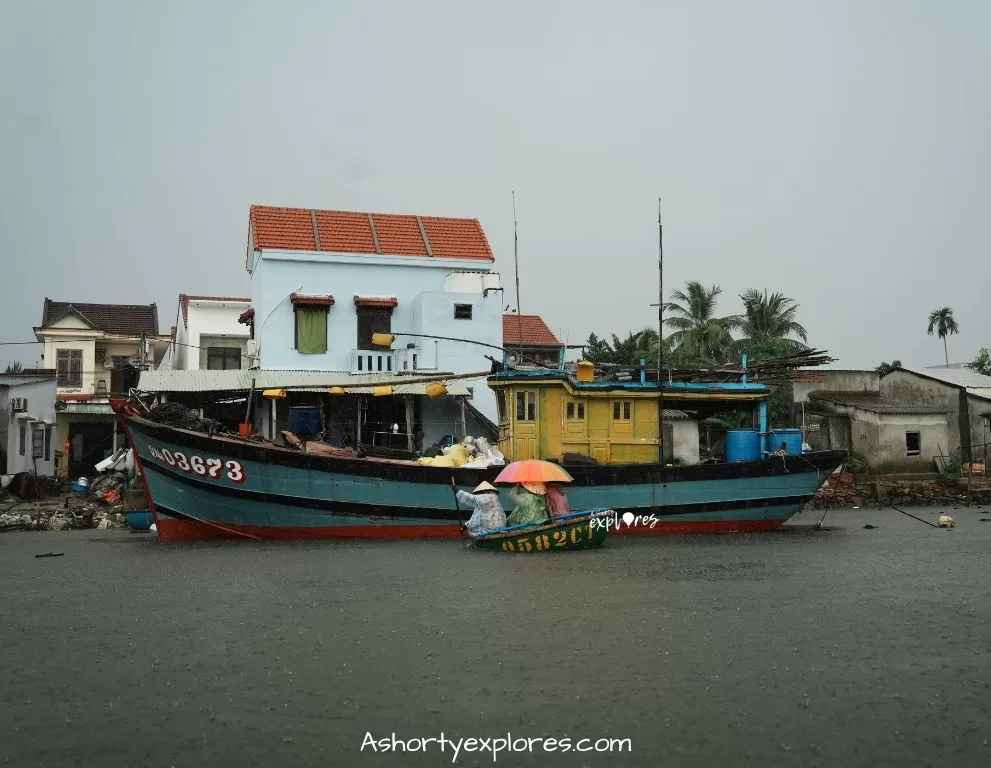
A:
[311, 330]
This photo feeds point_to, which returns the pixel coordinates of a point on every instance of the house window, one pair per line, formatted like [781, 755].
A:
[311, 329]
[621, 410]
[913, 443]
[372, 320]
[223, 358]
[22, 438]
[48, 442]
[69, 367]
[576, 411]
[526, 406]
[37, 442]
[501, 405]
[462, 311]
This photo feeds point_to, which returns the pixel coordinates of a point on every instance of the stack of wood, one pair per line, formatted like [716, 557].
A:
[772, 370]
[315, 447]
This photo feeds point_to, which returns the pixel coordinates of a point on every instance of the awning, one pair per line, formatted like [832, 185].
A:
[247, 317]
[385, 302]
[311, 299]
[316, 381]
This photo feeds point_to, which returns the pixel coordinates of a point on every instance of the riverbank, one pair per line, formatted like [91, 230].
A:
[846, 646]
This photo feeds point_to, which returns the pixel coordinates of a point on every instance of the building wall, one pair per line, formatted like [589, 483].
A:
[216, 320]
[891, 455]
[40, 415]
[909, 388]
[424, 307]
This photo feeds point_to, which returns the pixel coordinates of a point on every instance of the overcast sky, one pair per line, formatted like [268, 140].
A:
[835, 151]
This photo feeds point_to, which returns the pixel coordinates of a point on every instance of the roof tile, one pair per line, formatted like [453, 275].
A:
[529, 330]
[350, 232]
[119, 318]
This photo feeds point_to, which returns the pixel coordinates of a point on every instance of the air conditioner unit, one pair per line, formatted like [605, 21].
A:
[18, 404]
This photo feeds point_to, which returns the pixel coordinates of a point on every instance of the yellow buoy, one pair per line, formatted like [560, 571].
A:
[436, 389]
[275, 394]
[336, 390]
[383, 339]
[382, 391]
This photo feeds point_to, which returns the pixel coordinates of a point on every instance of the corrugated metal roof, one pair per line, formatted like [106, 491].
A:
[98, 409]
[241, 381]
[960, 377]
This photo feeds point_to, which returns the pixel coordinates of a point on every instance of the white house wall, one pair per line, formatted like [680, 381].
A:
[39, 414]
[278, 274]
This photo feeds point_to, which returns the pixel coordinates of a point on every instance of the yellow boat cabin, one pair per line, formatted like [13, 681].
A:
[549, 413]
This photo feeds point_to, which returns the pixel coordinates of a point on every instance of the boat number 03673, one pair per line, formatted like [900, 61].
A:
[209, 467]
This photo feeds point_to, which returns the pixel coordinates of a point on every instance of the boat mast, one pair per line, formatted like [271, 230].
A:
[660, 330]
[516, 259]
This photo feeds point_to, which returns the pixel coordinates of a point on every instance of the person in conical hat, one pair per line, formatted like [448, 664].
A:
[529, 505]
[487, 514]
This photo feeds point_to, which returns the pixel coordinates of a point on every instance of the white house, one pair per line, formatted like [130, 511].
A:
[208, 335]
[95, 350]
[323, 282]
[27, 422]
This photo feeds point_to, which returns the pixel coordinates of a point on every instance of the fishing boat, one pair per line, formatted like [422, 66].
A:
[609, 434]
[579, 530]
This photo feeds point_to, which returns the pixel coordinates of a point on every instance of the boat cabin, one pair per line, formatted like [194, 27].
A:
[553, 414]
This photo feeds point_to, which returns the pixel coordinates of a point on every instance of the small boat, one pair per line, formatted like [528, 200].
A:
[579, 530]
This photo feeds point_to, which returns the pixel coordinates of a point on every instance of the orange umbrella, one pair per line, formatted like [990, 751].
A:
[533, 471]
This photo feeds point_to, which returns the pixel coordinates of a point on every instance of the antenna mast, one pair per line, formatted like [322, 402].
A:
[516, 258]
[660, 329]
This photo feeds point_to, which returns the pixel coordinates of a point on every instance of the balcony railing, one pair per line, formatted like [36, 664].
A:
[383, 360]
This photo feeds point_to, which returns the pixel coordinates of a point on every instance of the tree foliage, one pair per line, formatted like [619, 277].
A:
[885, 367]
[982, 363]
[695, 324]
[943, 323]
[770, 317]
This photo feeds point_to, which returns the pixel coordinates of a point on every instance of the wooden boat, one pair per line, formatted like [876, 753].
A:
[578, 530]
[204, 485]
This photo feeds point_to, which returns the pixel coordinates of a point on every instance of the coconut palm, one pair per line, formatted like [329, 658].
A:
[769, 319]
[695, 326]
[941, 321]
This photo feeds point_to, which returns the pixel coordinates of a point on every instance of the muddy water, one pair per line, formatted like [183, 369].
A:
[843, 647]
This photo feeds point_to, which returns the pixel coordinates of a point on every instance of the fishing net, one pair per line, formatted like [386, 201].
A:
[176, 415]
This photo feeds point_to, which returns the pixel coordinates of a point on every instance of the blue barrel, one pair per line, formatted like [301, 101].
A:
[792, 438]
[742, 445]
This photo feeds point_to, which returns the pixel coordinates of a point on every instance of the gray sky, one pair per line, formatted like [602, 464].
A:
[835, 151]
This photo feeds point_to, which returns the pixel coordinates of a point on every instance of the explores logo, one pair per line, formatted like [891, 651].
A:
[614, 520]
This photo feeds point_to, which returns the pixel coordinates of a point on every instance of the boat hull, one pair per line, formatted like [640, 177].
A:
[579, 530]
[208, 487]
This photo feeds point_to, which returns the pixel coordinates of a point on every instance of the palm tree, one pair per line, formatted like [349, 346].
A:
[695, 326]
[941, 320]
[769, 318]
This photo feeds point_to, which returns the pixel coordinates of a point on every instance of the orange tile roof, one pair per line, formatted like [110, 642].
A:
[352, 232]
[531, 328]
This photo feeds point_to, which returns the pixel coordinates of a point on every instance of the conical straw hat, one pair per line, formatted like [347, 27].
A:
[485, 486]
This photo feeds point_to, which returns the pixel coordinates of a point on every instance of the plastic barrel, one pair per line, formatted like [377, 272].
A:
[742, 445]
[792, 438]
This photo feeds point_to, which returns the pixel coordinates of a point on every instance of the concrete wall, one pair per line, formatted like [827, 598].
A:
[907, 387]
[214, 319]
[892, 455]
[40, 416]
[424, 307]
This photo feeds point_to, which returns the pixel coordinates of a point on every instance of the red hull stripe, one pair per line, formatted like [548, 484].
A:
[188, 530]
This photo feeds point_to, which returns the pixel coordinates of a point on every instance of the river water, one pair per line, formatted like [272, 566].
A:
[839, 647]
